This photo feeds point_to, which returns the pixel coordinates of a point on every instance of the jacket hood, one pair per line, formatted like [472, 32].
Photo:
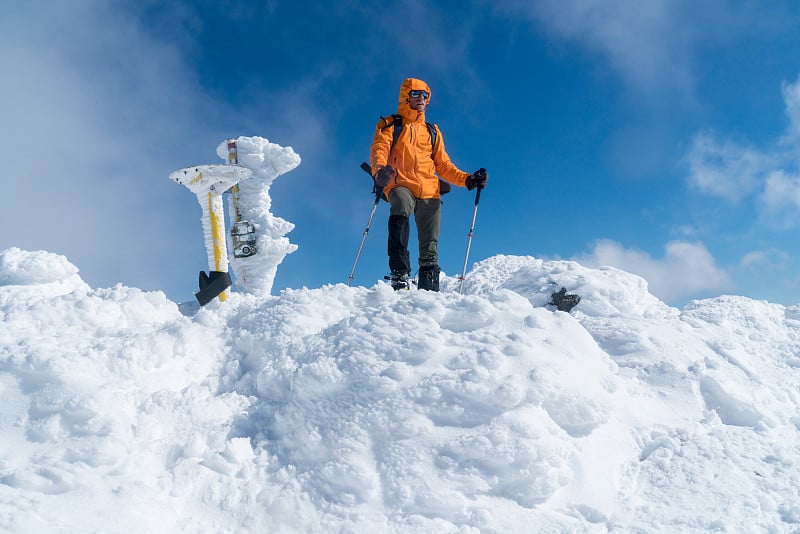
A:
[403, 109]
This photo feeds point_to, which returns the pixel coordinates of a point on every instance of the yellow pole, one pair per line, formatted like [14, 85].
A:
[216, 238]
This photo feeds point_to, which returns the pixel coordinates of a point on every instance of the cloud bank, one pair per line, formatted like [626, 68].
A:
[94, 112]
[733, 170]
[650, 44]
[686, 269]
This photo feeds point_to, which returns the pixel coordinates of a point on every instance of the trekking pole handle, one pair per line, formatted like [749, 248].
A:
[377, 190]
[480, 172]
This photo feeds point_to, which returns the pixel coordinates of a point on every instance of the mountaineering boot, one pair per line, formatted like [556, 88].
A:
[429, 278]
[399, 281]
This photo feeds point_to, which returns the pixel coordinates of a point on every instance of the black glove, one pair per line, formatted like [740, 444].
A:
[477, 179]
[384, 176]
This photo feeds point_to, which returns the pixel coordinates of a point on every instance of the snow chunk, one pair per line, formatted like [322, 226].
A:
[38, 272]
[22, 267]
[512, 458]
[731, 410]
[267, 160]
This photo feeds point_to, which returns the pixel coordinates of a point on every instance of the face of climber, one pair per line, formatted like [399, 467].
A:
[418, 100]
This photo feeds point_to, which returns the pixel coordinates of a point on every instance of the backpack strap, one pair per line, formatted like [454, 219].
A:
[444, 187]
[397, 123]
[434, 131]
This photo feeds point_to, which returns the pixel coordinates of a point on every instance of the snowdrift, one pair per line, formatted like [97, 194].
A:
[358, 409]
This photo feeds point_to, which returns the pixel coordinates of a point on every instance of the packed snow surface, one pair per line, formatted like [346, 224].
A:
[354, 409]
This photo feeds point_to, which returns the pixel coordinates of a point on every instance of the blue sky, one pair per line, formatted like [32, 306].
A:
[660, 137]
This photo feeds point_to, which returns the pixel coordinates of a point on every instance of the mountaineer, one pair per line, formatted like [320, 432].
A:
[407, 154]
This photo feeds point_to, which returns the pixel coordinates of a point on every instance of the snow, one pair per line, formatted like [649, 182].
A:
[361, 410]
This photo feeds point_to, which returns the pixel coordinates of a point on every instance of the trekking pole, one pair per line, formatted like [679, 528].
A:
[377, 192]
[469, 238]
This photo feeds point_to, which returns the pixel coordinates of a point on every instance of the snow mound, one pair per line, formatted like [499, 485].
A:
[606, 291]
[52, 274]
[352, 409]
[20, 267]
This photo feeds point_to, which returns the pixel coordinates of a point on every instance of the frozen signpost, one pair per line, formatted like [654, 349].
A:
[208, 182]
[257, 236]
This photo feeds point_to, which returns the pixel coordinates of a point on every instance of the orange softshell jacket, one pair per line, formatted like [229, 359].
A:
[411, 155]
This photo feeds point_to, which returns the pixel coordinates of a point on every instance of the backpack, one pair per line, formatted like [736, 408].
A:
[397, 123]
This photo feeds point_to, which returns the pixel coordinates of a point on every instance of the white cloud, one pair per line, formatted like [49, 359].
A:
[780, 200]
[649, 43]
[791, 100]
[686, 270]
[725, 169]
[734, 171]
[765, 260]
[94, 116]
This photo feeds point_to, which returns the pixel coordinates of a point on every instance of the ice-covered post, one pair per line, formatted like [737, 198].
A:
[252, 222]
[208, 182]
[257, 236]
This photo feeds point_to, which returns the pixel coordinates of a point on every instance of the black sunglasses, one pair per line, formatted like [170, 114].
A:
[415, 94]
